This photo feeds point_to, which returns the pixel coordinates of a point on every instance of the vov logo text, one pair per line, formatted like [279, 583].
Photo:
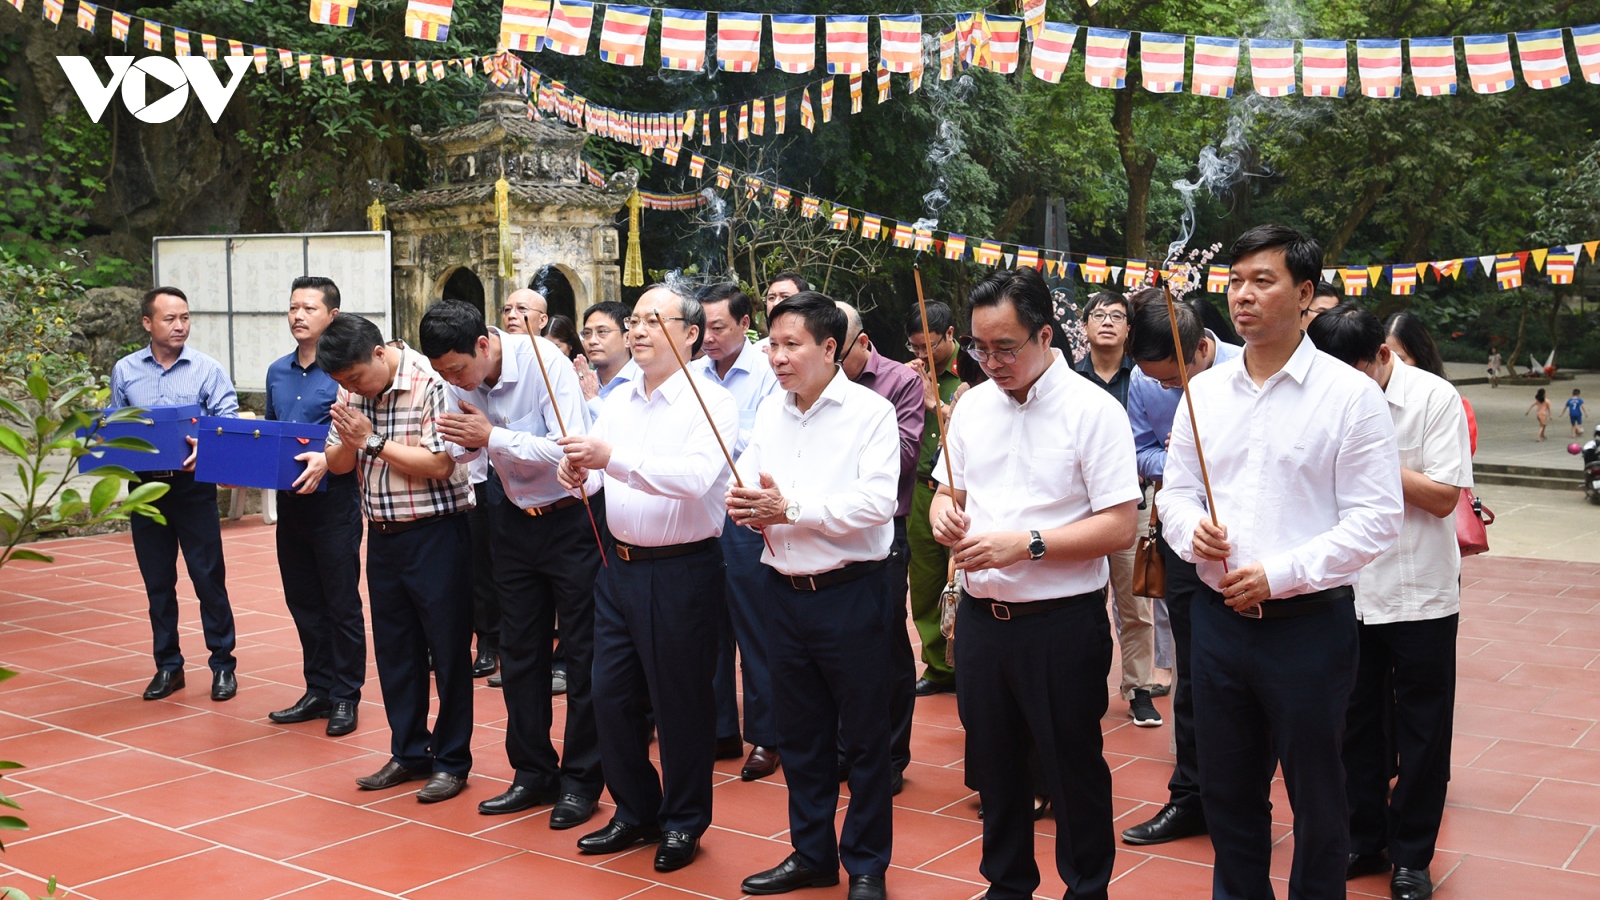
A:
[131, 76]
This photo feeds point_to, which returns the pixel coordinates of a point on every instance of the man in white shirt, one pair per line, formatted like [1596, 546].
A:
[1305, 473]
[658, 602]
[782, 286]
[734, 362]
[1043, 489]
[1408, 602]
[605, 345]
[543, 544]
[820, 477]
[525, 312]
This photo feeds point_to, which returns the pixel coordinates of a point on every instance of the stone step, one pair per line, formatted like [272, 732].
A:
[1479, 468]
[1531, 481]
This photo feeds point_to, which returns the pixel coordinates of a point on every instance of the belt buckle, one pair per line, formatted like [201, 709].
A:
[1253, 612]
[810, 580]
[624, 552]
[535, 511]
[996, 608]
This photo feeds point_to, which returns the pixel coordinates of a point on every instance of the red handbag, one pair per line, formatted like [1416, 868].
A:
[1472, 524]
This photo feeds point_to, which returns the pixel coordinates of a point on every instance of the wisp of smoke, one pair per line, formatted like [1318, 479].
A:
[948, 140]
[716, 209]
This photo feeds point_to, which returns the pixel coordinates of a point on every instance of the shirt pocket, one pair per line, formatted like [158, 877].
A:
[1050, 472]
[1411, 458]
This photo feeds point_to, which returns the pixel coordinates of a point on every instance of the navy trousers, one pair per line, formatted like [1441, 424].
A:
[1182, 585]
[1038, 681]
[419, 585]
[902, 659]
[319, 560]
[655, 629]
[829, 651]
[1270, 692]
[748, 613]
[192, 525]
[485, 597]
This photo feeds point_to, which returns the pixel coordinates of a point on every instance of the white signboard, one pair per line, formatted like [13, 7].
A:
[238, 287]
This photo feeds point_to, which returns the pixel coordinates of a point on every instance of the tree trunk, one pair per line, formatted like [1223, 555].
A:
[1139, 164]
[1522, 325]
[1352, 221]
[1555, 317]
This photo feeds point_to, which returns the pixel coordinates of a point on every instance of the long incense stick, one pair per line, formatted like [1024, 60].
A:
[583, 492]
[1194, 426]
[944, 449]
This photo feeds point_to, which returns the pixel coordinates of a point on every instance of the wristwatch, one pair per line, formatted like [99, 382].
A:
[375, 443]
[792, 511]
[1035, 546]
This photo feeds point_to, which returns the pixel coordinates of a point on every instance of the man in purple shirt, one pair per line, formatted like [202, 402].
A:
[899, 385]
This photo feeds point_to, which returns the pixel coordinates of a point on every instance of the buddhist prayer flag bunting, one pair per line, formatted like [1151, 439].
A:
[1216, 65]
[1105, 58]
[847, 45]
[738, 41]
[744, 121]
[1161, 62]
[326, 12]
[988, 253]
[1134, 275]
[180, 43]
[855, 94]
[1027, 257]
[1489, 63]
[780, 198]
[808, 119]
[871, 226]
[622, 36]
[286, 60]
[724, 176]
[1095, 270]
[1217, 279]
[366, 69]
[1378, 61]
[1586, 40]
[722, 124]
[683, 40]
[208, 46]
[388, 70]
[840, 219]
[947, 55]
[1447, 268]
[780, 112]
[1559, 266]
[119, 26]
[752, 187]
[152, 36]
[902, 235]
[1005, 44]
[1538, 257]
[758, 116]
[52, 11]
[955, 246]
[883, 83]
[794, 42]
[1355, 281]
[1324, 68]
[429, 20]
[523, 24]
[87, 12]
[827, 100]
[697, 165]
[809, 206]
[899, 43]
[1403, 279]
[330, 66]
[1433, 66]
[1033, 17]
[347, 67]
[570, 22]
[304, 64]
[1543, 55]
[1051, 51]
[1272, 66]
[923, 239]
[1508, 271]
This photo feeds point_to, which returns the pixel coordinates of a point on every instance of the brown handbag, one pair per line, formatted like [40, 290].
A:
[1149, 569]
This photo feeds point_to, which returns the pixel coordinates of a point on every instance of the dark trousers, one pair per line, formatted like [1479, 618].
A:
[193, 525]
[545, 569]
[725, 681]
[902, 659]
[655, 628]
[829, 651]
[1182, 585]
[1409, 667]
[1271, 691]
[1038, 681]
[485, 597]
[319, 560]
[418, 583]
[748, 613]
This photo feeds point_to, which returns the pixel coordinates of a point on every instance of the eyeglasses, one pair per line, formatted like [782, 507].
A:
[922, 351]
[1001, 357]
[1099, 316]
[634, 321]
[601, 333]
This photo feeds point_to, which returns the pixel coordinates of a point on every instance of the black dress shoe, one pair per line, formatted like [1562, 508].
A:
[307, 708]
[223, 686]
[516, 799]
[763, 761]
[165, 682]
[927, 687]
[342, 718]
[494, 680]
[897, 782]
[441, 786]
[391, 775]
[617, 837]
[1407, 884]
[571, 810]
[789, 875]
[487, 663]
[676, 851]
[1366, 864]
[867, 887]
[1170, 824]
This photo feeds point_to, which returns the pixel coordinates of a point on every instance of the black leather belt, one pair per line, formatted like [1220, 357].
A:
[166, 475]
[931, 484]
[1007, 611]
[630, 553]
[841, 575]
[1300, 604]
[392, 528]
[563, 503]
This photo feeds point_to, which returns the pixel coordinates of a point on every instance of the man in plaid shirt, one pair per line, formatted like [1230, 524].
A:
[385, 425]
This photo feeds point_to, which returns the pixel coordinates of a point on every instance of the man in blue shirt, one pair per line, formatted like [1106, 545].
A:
[605, 344]
[169, 373]
[319, 532]
[1153, 397]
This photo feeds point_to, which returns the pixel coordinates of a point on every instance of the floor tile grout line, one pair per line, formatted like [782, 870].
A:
[93, 882]
[1578, 849]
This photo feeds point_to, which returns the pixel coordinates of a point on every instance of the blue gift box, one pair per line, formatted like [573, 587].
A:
[256, 453]
[166, 430]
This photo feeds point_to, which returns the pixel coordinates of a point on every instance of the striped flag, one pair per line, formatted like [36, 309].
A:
[697, 165]
[752, 187]
[52, 11]
[1216, 66]
[152, 35]
[744, 121]
[724, 176]
[899, 43]
[1272, 66]
[348, 68]
[119, 26]
[428, 20]
[1217, 279]
[826, 100]
[1586, 40]
[758, 116]
[1508, 271]
[1005, 44]
[871, 226]
[855, 94]
[683, 39]
[1403, 279]
[1051, 51]
[286, 60]
[1324, 68]
[180, 43]
[1095, 270]
[1105, 58]
[87, 12]
[1027, 257]
[366, 69]
[847, 45]
[794, 42]
[808, 119]
[388, 69]
[738, 41]
[780, 113]
[258, 55]
[1447, 268]
[902, 235]
[327, 12]
[722, 124]
[1489, 63]
[1559, 265]
[1433, 66]
[955, 246]
[781, 197]
[1543, 55]
[304, 64]
[923, 239]
[1378, 62]
[1355, 281]
[988, 253]
[840, 220]
[883, 83]
[1135, 273]
[570, 23]
[1033, 15]
[809, 207]
[523, 24]
[330, 66]
[1161, 62]
[947, 54]
[208, 46]
[622, 36]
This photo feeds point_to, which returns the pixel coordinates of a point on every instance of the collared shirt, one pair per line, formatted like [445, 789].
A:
[837, 461]
[667, 477]
[896, 383]
[1118, 385]
[297, 393]
[750, 380]
[949, 383]
[407, 413]
[1418, 578]
[522, 440]
[1305, 470]
[138, 380]
[1057, 458]
[628, 372]
[1151, 408]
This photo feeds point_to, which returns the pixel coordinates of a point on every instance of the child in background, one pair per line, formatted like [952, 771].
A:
[1543, 407]
[1575, 412]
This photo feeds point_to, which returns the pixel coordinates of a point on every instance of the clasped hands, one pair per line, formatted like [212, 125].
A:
[584, 454]
[1242, 589]
[974, 553]
[758, 506]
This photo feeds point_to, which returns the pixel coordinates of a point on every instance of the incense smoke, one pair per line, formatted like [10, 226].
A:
[949, 139]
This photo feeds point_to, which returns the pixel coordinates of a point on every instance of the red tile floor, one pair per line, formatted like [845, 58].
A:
[188, 798]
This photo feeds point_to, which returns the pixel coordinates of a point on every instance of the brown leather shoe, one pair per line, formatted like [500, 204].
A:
[763, 761]
[441, 786]
[391, 775]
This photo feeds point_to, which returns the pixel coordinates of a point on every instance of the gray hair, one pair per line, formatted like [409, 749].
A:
[693, 313]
